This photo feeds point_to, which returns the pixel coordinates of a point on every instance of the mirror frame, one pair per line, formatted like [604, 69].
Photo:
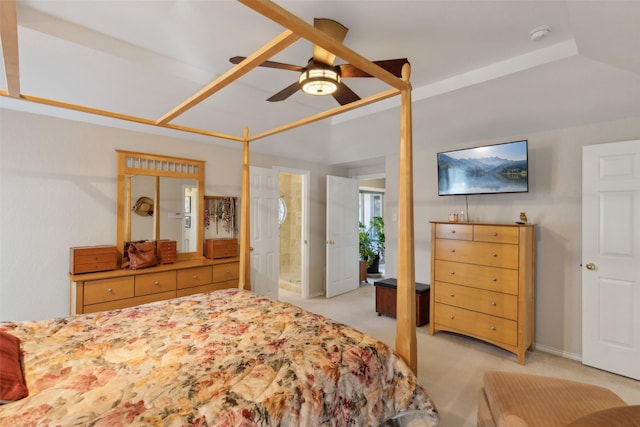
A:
[132, 163]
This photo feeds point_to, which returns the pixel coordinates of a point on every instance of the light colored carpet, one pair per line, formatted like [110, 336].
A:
[451, 366]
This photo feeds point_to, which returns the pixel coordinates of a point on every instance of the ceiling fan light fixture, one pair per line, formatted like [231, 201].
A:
[319, 80]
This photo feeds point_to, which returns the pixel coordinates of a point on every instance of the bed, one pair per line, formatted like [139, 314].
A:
[229, 357]
[296, 28]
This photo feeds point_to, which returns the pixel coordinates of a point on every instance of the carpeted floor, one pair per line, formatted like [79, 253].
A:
[451, 366]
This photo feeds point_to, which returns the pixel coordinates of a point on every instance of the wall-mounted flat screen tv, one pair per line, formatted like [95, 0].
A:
[490, 169]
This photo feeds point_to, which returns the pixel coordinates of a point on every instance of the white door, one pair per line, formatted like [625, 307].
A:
[610, 257]
[264, 231]
[342, 236]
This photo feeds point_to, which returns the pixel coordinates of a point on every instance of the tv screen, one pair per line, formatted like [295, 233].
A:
[499, 168]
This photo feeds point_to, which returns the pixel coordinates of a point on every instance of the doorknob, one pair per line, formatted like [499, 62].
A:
[591, 266]
[250, 248]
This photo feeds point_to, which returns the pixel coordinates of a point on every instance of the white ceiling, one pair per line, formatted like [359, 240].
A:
[475, 72]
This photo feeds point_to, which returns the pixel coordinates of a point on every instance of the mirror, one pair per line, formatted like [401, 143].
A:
[159, 197]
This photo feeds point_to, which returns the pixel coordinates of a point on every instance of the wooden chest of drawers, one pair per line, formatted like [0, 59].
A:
[166, 251]
[221, 248]
[482, 280]
[88, 259]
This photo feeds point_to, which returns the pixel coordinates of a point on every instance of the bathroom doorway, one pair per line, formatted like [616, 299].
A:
[293, 225]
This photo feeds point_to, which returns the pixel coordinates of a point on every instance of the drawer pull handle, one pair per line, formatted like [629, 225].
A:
[452, 273]
[195, 276]
[493, 328]
[452, 317]
[494, 234]
[453, 231]
[493, 279]
[452, 295]
[156, 283]
[493, 303]
[494, 254]
[453, 250]
[110, 290]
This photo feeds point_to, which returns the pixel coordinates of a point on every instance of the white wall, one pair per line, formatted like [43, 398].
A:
[58, 188]
[553, 203]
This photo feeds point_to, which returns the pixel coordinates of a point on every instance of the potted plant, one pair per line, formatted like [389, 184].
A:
[366, 249]
[376, 239]
[371, 243]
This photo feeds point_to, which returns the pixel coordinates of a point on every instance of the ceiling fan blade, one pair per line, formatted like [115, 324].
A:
[285, 93]
[394, 66]
[269, 64]
[336, 30]
[344, 95]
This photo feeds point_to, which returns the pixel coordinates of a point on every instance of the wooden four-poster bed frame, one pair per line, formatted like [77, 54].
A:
[296, 28]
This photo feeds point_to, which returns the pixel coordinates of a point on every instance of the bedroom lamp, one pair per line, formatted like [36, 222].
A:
[319, 80]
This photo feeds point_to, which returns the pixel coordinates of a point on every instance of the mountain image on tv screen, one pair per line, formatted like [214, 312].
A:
[500, 168]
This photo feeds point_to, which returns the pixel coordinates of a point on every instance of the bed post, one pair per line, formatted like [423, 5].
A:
[244, 281]
[406, 301]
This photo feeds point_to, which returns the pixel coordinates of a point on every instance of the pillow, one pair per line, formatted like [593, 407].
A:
[12, 384]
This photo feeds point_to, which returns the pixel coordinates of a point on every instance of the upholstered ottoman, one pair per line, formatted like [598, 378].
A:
[522, 400]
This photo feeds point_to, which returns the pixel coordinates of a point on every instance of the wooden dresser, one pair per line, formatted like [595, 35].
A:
[482, 283]
[110, 290]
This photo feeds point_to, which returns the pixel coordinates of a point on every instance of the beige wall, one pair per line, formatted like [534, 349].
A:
[553, 203]
[58, 189]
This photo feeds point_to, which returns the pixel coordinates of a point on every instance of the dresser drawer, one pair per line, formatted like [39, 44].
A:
[197, 276]
[154, 283]
[481, 253]
[478, 276]
[128, 302]
[224, 272]
[496, 233]
[476, 324]
[208, 288]
[454, 231]
[494, 303]
[96, 291]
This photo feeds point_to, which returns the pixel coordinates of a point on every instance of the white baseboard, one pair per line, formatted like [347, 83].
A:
[561, 353]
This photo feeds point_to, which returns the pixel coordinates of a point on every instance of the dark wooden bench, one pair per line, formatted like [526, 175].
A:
[386, 300]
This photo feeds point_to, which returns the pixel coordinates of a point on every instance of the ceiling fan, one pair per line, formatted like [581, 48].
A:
[320, 76]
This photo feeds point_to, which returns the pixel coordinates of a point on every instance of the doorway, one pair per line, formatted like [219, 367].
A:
[293, 224]
[371, 205]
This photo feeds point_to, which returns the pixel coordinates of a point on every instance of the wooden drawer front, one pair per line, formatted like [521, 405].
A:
[494, 303]
[224, 272]
[208, 288]
[454, 231]
[494, 233]
[478, 276]
[194, 277]
[128, 302]
[147, 284]
[482, 253]
[476, 324]
[96, 291]
[93, 258]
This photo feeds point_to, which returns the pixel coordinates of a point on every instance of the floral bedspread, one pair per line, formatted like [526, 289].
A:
[226, 358]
